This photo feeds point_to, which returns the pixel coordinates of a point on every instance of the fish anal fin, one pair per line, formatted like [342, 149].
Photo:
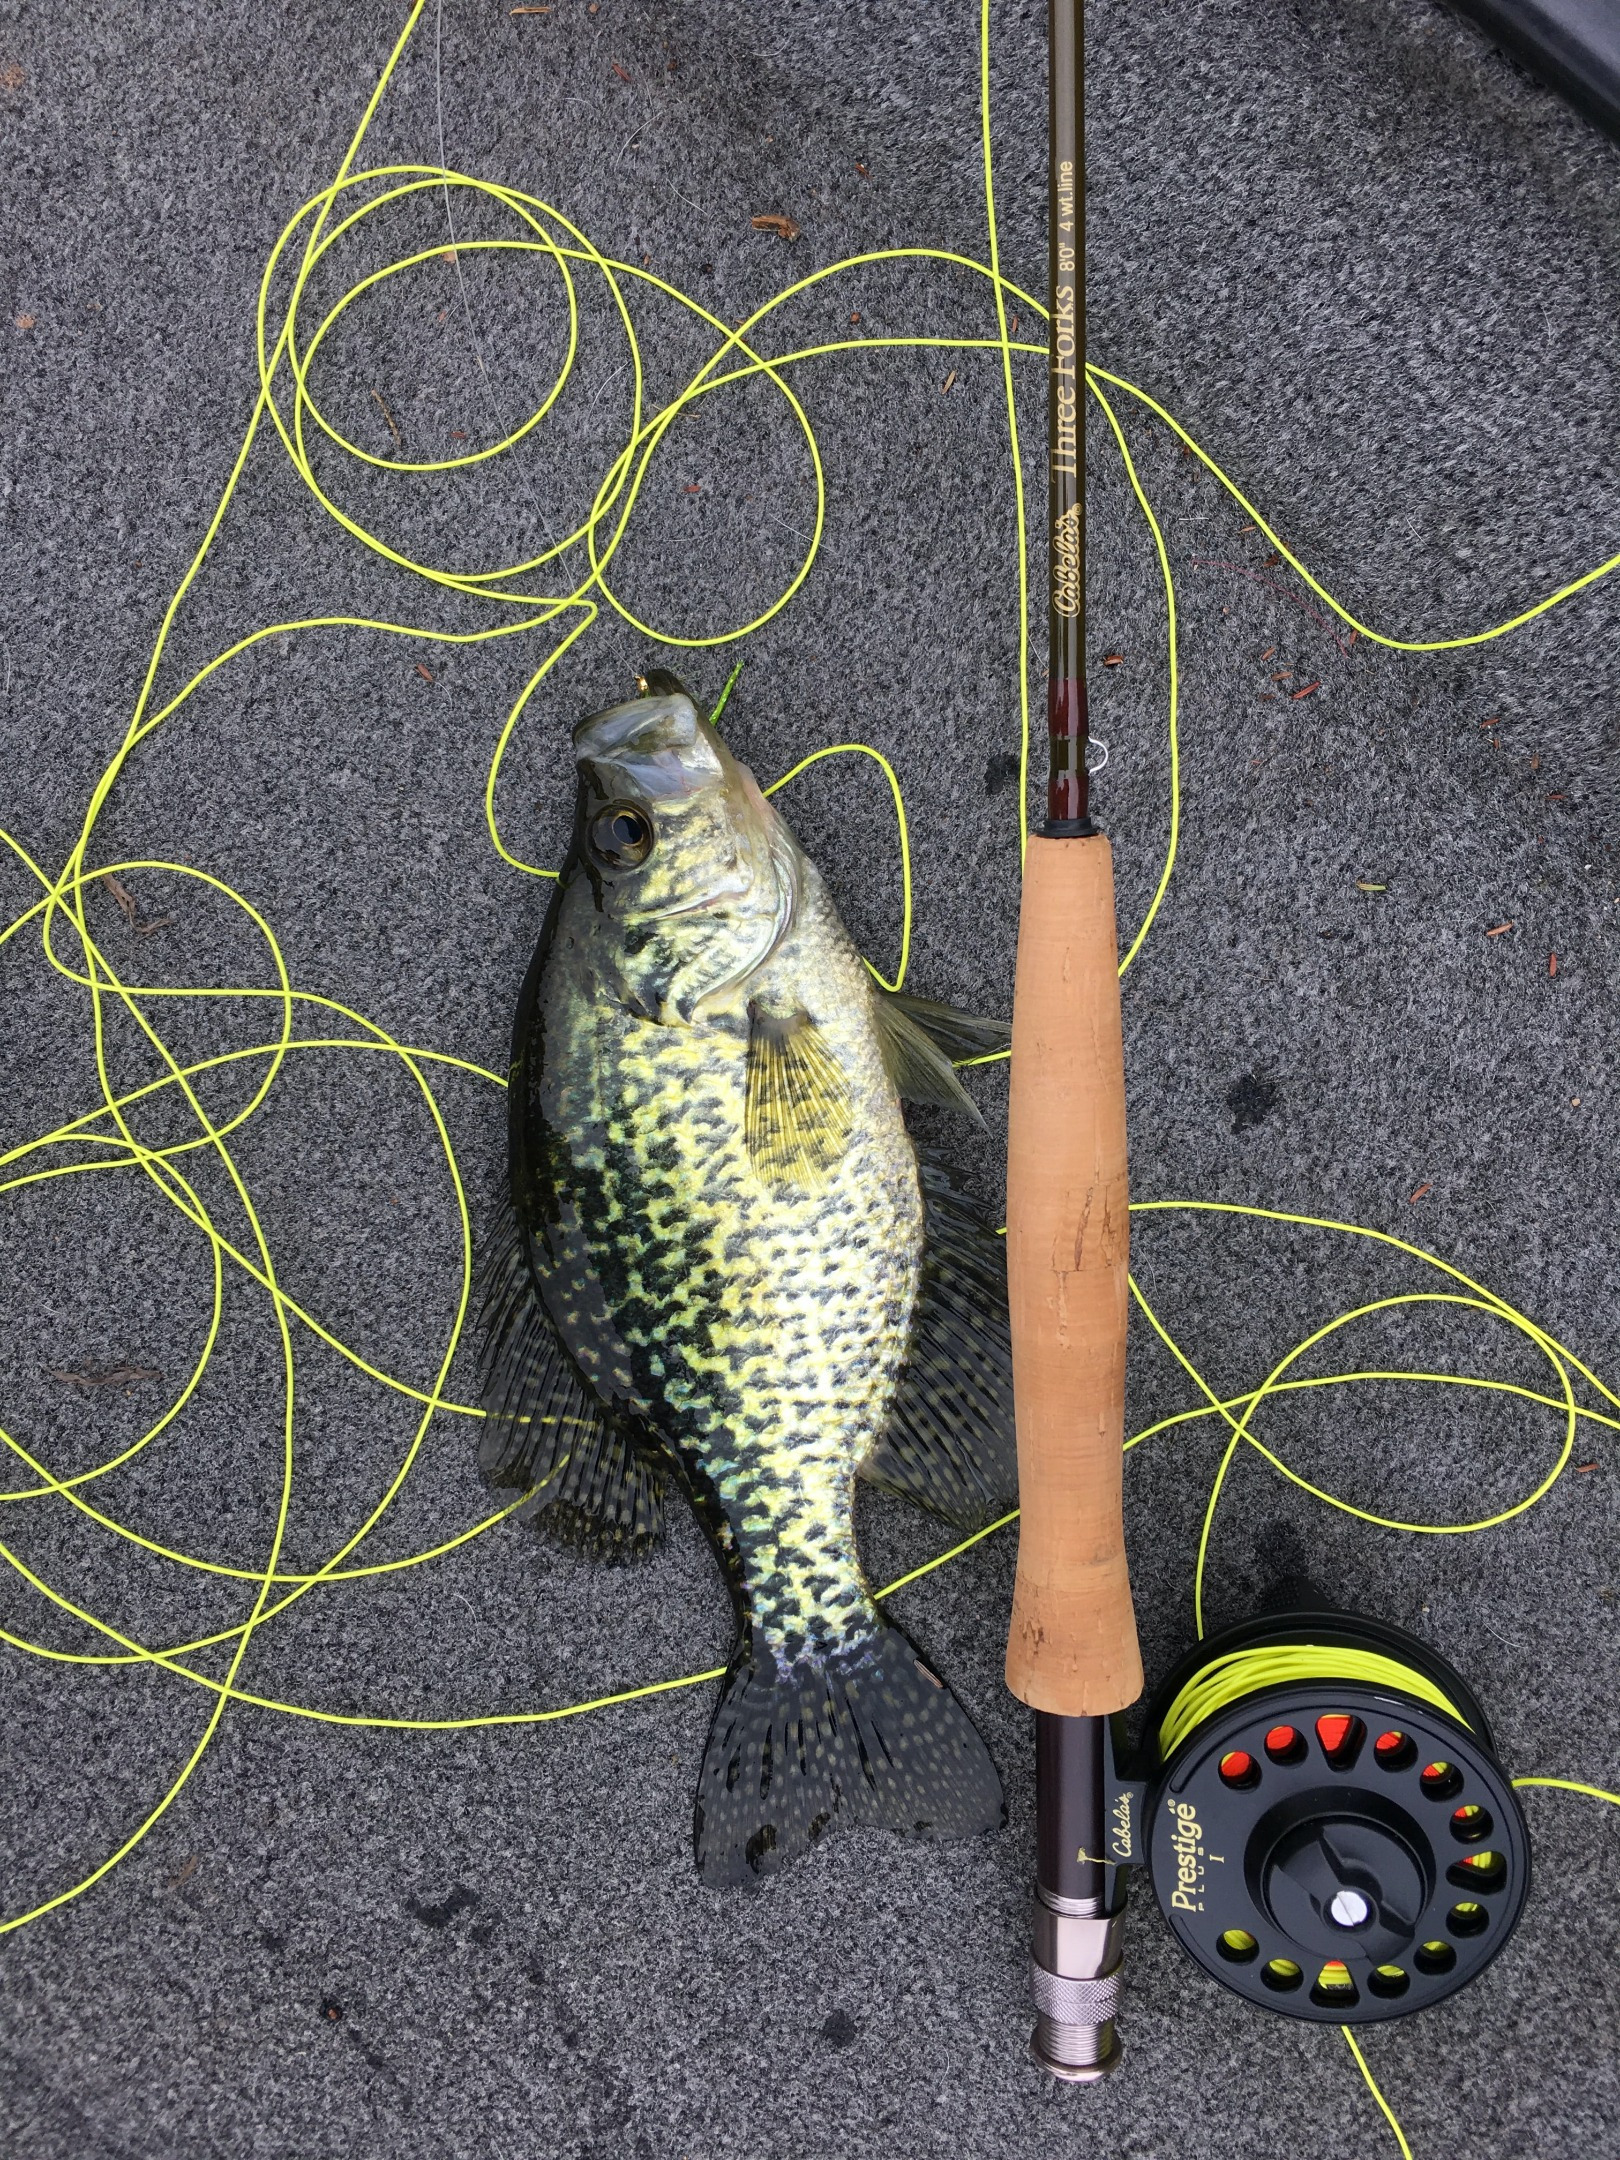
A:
[594, 1484]
[608, 1502]
[797, 1110]
[949, 1444]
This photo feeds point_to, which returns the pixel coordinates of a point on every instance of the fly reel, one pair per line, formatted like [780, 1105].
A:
[1325, 1825]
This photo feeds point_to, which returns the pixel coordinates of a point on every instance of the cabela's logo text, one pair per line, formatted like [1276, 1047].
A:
[1066, 561]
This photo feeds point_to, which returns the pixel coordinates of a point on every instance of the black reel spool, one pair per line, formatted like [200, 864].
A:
[1337, 1850]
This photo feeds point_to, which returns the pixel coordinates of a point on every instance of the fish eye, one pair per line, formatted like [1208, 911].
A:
[621, 836]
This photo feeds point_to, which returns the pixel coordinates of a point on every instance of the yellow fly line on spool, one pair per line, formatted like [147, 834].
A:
[1226, 1680]
[554, 599]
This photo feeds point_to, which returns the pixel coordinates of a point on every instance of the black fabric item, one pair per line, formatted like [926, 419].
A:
[1573, 45]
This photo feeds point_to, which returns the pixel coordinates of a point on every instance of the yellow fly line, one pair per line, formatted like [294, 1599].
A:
[1227, 1680]
[551, 600]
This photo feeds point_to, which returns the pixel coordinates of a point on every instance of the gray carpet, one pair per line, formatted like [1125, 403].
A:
[1376, 272]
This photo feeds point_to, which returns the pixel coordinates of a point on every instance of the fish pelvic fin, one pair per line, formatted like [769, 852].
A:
[593, 1483]
[949, 1444]
[797, 1108]
[919, 1038]
[865, 1734]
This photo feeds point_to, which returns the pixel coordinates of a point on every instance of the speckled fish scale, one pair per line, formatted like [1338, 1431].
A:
[767, 1324]
[716, 1262]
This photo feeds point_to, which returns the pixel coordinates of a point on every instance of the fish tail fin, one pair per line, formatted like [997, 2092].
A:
[865, 1734]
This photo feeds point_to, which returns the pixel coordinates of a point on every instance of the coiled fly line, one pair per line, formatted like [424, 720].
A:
[552, 599]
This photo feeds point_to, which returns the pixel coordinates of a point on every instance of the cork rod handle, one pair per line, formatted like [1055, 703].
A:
[1072, 1647]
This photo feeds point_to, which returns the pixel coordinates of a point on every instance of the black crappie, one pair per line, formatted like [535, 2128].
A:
[723, 1257]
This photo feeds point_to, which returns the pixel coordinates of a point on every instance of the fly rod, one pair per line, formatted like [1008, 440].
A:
[1314, 1793]
[1072, 1652]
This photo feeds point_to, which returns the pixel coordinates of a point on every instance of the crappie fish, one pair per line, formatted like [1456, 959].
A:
[725, 1261]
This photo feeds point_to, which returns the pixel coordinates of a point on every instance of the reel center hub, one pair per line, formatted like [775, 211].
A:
[1328, 1872]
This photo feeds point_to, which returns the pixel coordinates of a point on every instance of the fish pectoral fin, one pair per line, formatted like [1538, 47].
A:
[949, 1442]
[917, 1038]
[865, 1734]
[594, 1482]
[797, 1111]
[959, 1034]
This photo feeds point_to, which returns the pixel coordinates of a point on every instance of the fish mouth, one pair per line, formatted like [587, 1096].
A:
[656, 743]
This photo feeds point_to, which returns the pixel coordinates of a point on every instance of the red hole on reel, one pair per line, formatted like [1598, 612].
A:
[1285, 1744]
[1239, 1770]
[1394, 1751]
[1340, 1736]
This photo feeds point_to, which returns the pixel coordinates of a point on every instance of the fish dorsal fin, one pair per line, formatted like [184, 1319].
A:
[949, 1442]
[797, 1110]
[594, 1484]
[921, 1071]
